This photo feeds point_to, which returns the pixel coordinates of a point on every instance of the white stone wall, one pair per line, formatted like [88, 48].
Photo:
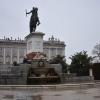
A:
[53, 51]
[1, 55]
[11, 51]
[35, 44]
[11, 54]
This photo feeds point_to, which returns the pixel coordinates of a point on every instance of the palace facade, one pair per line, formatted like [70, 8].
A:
[15, 50]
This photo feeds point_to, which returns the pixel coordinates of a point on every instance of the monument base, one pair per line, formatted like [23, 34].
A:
[36, 56]
[34, 42]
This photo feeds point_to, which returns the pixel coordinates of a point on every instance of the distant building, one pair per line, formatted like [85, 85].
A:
[53, 47]
[15, 50]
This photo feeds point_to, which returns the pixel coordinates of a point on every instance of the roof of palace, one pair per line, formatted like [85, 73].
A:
[51, 41]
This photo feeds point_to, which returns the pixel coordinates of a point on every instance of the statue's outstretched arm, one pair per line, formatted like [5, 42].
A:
[29, 12]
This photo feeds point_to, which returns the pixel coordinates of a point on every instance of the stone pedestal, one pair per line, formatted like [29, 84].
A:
[90, 72]
[34, 42]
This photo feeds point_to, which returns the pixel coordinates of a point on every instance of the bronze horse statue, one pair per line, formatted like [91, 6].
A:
[34, 20]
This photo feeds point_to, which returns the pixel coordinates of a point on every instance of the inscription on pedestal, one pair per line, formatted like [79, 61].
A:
[35, 42]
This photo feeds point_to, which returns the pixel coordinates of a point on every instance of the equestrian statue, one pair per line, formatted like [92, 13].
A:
[34, 20]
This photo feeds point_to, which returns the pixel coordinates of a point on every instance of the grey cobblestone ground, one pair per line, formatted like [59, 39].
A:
[83, 91]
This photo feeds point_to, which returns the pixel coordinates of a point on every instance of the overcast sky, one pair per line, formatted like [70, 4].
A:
[77, 22]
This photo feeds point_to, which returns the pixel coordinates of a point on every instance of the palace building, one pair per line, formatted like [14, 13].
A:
[15, 50]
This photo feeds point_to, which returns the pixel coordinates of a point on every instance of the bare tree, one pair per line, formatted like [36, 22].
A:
[96, 51]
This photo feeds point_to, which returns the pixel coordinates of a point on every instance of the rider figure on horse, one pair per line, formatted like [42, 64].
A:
[34, 20]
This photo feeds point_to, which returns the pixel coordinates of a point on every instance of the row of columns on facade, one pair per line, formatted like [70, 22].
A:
[11, 60]
[55, 53]
[4, 61]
